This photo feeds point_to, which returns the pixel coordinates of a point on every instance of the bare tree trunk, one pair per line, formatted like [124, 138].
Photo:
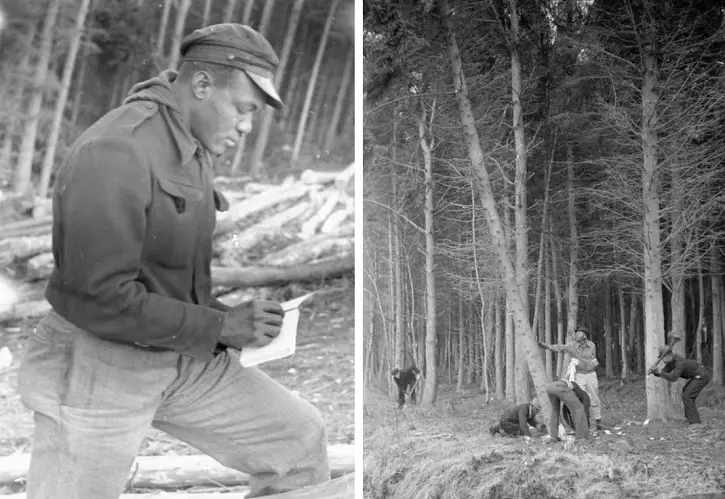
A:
[624, 375]
[608, 330]
[548, 339]
[677, 299]
[430, 387]
[559, 296]
[520, 201]
[717, 313]
[23, 170]
[573, 305]
[487, 325]
[311, 86]
[510, 343]
[701, 310]
[161, 36]
[181, 13]
[206, 14]
[392, 302]
[461, 343]
[262, 137]
[11, 125]
[229, 13]
[80, 78]
[70, 63]
[498, 350]
[398, 293]
[654, 317]
[263, 25]
[481, 293]
[331, 133]
[247, 14]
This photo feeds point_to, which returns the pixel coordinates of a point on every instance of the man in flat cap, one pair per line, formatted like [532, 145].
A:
[134, 338]
[676, 367]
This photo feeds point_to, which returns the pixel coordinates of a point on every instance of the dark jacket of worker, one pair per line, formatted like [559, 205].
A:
[134, 209]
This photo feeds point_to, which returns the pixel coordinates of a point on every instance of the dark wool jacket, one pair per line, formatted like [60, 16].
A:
[681, 367]
[133, 217]
[523, 416]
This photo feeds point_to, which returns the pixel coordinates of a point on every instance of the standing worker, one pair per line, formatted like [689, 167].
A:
[586, 370]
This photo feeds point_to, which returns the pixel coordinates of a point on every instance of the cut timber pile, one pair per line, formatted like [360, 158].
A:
[300, 230]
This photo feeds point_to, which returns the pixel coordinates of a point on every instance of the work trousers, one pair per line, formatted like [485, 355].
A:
[559, 392]
[689, 393]
[94, 402]
[590, 384]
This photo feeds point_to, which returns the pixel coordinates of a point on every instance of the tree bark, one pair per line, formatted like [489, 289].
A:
[430, 388]
[525, 335]
[229, 12]
[700, 309]
[498, 350]
[181, 13]
[62, 99]
[331, 133]
[624, 375]
[205, 15]
[263, 136]
[23, 169]
[461, 344]
[717, 315]
[559, 297]
[608, 330]
[654, 318]
[163, 25]
[312, 82]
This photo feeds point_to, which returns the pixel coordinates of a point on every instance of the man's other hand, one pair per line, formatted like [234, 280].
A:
[252, 323]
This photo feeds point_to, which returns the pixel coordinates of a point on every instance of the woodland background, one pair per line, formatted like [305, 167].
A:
[67, 62]
[531, 165]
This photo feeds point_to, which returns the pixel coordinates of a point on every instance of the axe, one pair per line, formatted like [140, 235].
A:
[672, 339]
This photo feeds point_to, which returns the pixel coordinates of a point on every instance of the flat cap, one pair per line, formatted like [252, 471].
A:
[240, 47]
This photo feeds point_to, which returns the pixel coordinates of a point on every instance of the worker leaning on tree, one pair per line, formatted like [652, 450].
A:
[586, 369]
[676, 367]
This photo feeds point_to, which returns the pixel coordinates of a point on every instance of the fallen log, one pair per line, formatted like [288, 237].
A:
[339, 488]
[32, 227]
[255, 277]
[228, 221]
[180, 471]
[304, 251]
[22, 248]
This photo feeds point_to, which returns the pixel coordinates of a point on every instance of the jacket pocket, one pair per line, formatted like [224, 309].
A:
[173, 224]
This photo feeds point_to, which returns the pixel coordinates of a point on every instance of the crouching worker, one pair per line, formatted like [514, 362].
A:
[407, 381]
[516, 421]
[677, 367]
[562, 392]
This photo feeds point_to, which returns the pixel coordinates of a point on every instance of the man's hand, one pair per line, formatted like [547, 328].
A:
[252, 323]
[656, 372]
[543, 345]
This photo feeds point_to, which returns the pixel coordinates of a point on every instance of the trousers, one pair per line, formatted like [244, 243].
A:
[689, 393]
[94, 402]
[559, 392]
[590, 384]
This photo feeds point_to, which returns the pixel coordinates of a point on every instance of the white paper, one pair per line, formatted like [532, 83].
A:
[284, 344]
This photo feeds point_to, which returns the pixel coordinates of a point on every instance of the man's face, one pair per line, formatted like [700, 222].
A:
[581, 337]
[224, 113]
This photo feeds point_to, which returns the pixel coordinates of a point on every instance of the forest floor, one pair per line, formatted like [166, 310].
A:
[321, 371]
[448, 452]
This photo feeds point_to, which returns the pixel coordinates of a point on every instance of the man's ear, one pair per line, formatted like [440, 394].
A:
[201, 85]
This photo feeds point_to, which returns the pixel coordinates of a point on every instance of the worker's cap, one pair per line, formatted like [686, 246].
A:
[240, 47]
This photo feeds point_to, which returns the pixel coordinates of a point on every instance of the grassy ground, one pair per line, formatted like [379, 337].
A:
[321, 370]
[447, 452]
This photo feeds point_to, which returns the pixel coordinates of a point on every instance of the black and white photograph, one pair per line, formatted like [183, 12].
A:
[543, 249]
[177, 249]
